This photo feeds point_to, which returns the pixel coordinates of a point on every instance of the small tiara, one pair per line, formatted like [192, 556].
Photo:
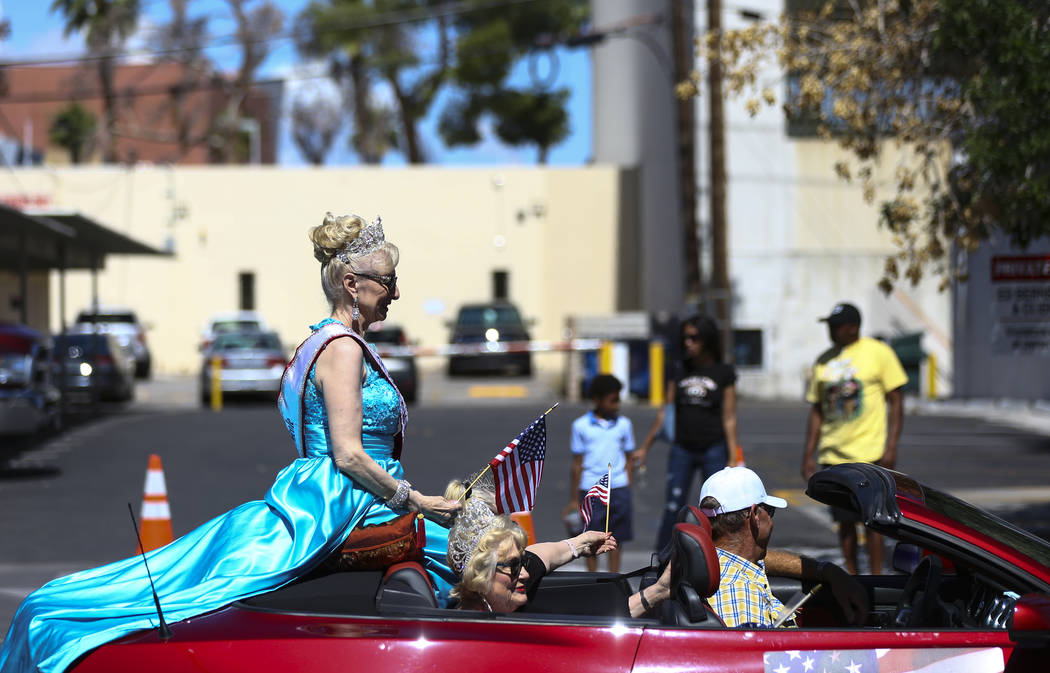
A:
[368, 241]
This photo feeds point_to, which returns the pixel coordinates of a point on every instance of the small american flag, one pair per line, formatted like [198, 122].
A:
[897, 660]
[600, 491]
[518, 468]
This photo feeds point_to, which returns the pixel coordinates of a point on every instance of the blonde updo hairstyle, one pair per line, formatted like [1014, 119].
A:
[484, 488]
[480, 570]
[330, 238]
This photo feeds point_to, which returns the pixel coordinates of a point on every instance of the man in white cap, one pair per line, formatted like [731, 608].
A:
[741, 514]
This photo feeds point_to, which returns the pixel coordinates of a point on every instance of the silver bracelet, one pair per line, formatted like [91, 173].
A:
[400, 496]
[572, 548]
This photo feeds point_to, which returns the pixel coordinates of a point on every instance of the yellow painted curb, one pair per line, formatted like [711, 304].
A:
[496, 391]
[794, 496]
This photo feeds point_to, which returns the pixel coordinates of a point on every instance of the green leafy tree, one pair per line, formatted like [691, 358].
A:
[489, 43]
[959, 87]
[402, 44]
[414, 49]
[106, 25]
[73, 129]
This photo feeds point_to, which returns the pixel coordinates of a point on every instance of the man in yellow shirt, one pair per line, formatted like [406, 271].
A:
[852, 385]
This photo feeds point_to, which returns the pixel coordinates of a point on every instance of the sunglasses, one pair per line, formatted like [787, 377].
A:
[389, 282]
[770, 509]
[511, 568]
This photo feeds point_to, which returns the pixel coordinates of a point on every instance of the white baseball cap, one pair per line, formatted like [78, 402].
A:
[736, 488]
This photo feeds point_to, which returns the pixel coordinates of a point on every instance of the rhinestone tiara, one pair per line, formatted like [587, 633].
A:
[368, 241]
[473, 522]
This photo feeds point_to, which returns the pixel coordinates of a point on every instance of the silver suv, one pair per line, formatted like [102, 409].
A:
[122, 323]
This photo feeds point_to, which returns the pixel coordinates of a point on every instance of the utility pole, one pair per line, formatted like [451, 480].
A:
[719, 256]
[682, 12]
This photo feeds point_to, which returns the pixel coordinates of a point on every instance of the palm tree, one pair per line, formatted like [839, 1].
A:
[72, 129]
[106, 24]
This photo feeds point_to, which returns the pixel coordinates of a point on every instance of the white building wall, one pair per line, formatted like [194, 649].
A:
[801, 240]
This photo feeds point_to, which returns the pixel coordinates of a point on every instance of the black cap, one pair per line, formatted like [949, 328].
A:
[842, 314]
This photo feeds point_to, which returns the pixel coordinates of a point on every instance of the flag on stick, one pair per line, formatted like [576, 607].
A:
[600, 491]
[517, 469]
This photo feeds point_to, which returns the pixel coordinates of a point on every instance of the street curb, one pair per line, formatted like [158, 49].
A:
[1031, 416]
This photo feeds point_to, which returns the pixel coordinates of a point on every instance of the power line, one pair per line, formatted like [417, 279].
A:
[388, 19]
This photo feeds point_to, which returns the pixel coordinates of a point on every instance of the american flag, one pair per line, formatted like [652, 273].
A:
[600, 491]
[897, 660]
[518, 468]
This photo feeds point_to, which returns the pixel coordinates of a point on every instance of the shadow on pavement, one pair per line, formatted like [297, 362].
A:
[16, 452]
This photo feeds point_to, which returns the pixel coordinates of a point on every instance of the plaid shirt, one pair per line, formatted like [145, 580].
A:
[743, 595]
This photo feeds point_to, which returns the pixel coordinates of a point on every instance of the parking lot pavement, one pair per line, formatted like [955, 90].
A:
[166, 392]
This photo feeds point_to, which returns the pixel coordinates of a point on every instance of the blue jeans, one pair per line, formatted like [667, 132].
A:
[682, 466]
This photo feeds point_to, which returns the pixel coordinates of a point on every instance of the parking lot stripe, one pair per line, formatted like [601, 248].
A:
[496, 391]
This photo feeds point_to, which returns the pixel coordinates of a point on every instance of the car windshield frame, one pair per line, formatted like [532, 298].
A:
[477, 316]
[987, 524]
[115, 317]
[235, 325]
[387, 337]
[273, 343]
[89, 343]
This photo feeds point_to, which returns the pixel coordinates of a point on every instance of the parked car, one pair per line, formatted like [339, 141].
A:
[232, 321]
[29, 399]
[93, 366]
[252, 363]
[494, 337]
[398, 356]
[978, 600]
[123, 324]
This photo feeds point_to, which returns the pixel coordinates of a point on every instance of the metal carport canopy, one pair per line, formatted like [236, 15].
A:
[60, 240]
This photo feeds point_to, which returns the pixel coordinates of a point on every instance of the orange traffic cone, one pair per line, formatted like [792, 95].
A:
[156, 515]
[524, 519]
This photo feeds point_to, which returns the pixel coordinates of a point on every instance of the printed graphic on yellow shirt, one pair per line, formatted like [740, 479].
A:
[843, 393]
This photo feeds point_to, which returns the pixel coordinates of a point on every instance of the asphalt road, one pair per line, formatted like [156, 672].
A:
[63, 502]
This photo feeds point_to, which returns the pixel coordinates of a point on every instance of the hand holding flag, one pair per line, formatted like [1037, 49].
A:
[600, 491]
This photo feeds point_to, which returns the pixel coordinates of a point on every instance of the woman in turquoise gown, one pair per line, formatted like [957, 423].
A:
[348, 475]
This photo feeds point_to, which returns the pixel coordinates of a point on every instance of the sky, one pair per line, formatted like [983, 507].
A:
[37, 33]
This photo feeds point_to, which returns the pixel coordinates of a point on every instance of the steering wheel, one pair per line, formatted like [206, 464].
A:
[913, 608]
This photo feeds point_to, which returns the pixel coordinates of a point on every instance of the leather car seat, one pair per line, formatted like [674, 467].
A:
[405, 585]
[694, 515]
[695, 575]
[688, 514]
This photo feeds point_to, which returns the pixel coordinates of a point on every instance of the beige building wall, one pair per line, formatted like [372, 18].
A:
[36, 306]
[554, 230]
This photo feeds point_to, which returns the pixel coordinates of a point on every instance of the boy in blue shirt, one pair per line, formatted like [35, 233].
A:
[599, 438]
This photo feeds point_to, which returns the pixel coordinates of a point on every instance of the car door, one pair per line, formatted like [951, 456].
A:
[821, 650]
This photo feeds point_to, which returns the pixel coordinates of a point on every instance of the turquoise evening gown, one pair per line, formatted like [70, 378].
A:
[249, 550]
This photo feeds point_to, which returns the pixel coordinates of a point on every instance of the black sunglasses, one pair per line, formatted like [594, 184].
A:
[511, 568]
[770, 509]
[389, 282]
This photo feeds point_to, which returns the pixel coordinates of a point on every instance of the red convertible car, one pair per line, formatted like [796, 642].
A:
[975, 596]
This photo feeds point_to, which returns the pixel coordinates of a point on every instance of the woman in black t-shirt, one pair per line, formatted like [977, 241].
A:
[702, 390]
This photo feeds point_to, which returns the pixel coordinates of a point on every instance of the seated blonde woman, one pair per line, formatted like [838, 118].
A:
[499, 573]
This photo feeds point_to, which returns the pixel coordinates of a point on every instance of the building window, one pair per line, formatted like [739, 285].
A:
[747, 347]
[247, 291]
